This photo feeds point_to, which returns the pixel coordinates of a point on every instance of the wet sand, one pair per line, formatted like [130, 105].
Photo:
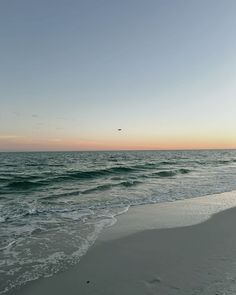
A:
[196, 259]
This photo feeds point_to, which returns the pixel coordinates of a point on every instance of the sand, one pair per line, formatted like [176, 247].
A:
[195, 259]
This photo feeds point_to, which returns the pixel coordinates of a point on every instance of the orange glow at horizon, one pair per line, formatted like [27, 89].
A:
[118, 143]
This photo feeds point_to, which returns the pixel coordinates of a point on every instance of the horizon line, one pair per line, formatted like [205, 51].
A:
[121, 150]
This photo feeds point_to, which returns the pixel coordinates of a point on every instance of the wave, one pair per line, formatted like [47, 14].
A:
[70, 194]
[168, 163]
[130, 183]
[8, 245]
[43, 165]
[103, 187]
[110, 171]
[4, 178]
[92, 174]
[25, 185]
[214, 162]
[34, 181]
[170, 173]
[10, 165]
[101, 172]
[226, 161]
[108, 186]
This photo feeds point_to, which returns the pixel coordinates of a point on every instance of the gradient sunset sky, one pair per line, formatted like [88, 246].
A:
[73, 72]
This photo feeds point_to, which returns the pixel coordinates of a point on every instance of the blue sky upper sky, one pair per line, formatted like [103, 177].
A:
[72, 72]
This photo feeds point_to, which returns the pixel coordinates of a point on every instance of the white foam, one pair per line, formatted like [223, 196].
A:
[8, 245]
[51, 262]
[170, 214]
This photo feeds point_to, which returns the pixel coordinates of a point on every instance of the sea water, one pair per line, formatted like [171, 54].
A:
[54, 205]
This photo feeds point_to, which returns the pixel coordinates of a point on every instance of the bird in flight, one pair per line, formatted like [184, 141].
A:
[119, 129]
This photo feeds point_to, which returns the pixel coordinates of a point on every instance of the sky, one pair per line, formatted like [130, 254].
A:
[73, 72]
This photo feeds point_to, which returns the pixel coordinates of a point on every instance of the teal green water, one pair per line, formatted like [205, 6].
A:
[54, 205]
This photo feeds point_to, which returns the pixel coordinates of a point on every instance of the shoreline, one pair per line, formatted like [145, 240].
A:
[173, 214]
[142, 258]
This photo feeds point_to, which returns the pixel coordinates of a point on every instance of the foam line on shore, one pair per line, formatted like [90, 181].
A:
[179, 213]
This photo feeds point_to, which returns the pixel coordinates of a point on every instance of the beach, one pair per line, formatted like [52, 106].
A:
[169, 255]
[118, 147]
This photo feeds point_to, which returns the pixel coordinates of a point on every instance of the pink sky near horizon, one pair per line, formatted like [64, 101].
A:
[121, 142]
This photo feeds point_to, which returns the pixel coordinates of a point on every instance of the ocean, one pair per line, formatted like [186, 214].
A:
[53, 205]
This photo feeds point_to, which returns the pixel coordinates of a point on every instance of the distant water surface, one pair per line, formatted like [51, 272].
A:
[54, 205]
